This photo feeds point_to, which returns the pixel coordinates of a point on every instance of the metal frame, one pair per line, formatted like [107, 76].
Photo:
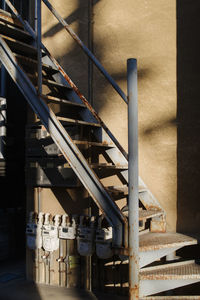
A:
[66, 145]
[86, 50]
[71, 152]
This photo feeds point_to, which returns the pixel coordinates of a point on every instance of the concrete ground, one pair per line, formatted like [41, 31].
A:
[13, 286]
[23, 290]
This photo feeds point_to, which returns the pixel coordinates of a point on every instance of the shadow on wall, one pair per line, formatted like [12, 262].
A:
[188, 116]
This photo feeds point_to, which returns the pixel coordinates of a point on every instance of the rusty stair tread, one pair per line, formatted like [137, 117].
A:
[48, 82]
[147, 214]
[151, 241]
[16, 33]
[33, 62]
[123, 189]
[36, 145]
[78, 122]
[93, 144]
[62, 101]
[18, 46]
[60, 162]
[155, 241]
[174, 271]
[108, 166]
[9, 18]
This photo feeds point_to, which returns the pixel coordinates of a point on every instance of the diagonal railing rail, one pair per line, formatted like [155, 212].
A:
[68, 79]
[63, 140]
[87, 51]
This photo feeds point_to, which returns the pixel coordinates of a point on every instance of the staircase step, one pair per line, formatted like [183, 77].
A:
[108, 166]
[78, 122]
[168, 276]
[33, 63]
[10, 19]
[119, 192]
[148, 214]
[179, 270]
[53, 99]
[20, 47]
[14, 32]
[46, 147]
[93, 144]
[158, 241]
[49, 82]
[155, 241]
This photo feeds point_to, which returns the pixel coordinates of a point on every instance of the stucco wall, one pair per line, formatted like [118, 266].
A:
[145, 30]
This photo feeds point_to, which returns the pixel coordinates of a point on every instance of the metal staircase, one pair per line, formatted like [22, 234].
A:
[20, 53]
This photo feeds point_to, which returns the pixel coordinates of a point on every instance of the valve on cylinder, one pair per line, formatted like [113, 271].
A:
[50, 240]
[67, 230]
[85, 239]
[103, 240]
[34, 231]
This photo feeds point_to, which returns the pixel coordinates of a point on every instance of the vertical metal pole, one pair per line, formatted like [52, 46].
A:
[38, 30]
[3, 70]
[3, 105]
[3, 5]
[90, 47]
[133, 202]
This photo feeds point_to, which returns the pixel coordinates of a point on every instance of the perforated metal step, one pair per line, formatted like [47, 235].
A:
[155, 241]
[158, 241]
[174, 271]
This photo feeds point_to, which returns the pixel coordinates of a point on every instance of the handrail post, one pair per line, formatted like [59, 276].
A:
[133, 202]
[38, 30]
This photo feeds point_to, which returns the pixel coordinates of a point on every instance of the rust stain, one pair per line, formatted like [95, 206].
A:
[134, 292]
[158, 226]
[10, 20]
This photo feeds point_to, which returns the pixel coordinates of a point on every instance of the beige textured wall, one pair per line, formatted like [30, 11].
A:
[146, 30]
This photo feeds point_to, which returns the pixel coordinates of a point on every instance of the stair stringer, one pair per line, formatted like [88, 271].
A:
[65, 144]
[115, 155]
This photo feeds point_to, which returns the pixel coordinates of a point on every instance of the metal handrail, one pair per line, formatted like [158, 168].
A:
[87, 51]
[68, 79]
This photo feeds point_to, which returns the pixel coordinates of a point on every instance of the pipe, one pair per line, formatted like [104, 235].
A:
[90, 46]
[86, 50]
[3, 70]
[133, 202]
[66, 77]
[38, 8]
